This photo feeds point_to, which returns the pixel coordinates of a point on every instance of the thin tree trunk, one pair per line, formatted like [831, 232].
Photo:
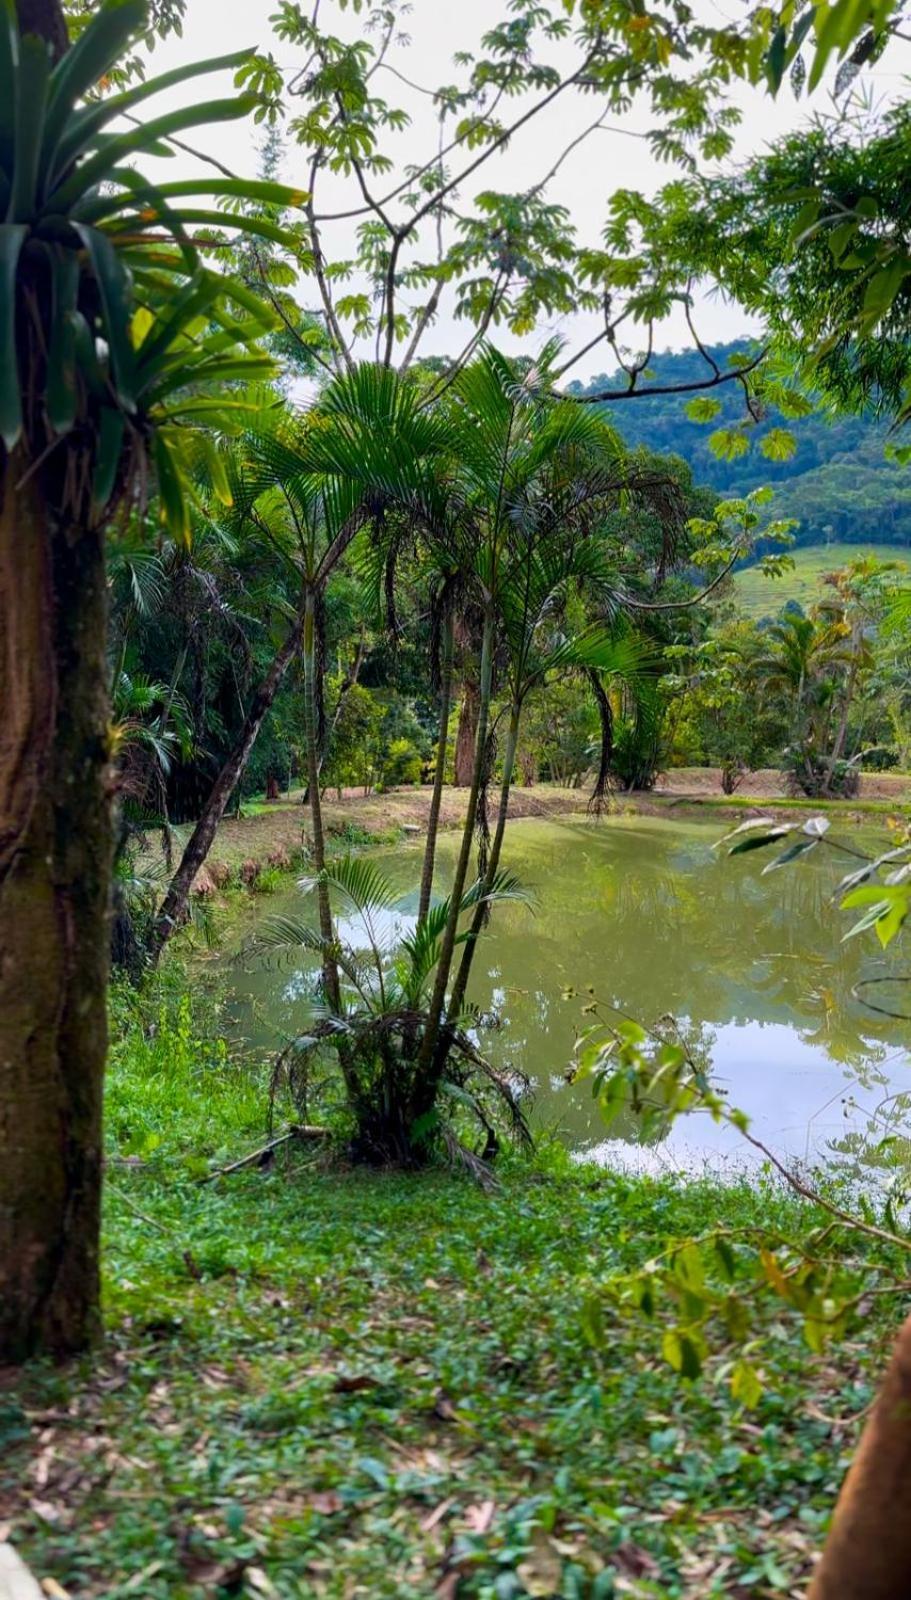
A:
[44, 17]
[868, 1552]
[841, 736]
[174, 906]
[439, 776]
[428, 1075]
[493, 861]
[55, 872]
[349, 683]
[466, 736]
[311, 726]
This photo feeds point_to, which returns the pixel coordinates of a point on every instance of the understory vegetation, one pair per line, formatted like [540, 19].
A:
[315, 534]
[291, 1402]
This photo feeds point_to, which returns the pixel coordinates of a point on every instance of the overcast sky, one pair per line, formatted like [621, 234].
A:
[607, 161]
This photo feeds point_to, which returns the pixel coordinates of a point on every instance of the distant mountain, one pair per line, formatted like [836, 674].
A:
[838, 484]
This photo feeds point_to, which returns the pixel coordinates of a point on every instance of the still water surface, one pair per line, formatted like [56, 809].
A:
[658, 922]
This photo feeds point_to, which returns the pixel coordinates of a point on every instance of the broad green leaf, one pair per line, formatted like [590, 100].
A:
[749, 826]
[116, 300]
[107, 457]
[9, 43]
[85, 125]
[96, 169]
[778, 444]
[681, 1352]
[89, 59]
[759, 841]
[174, 509]
[746, 1386]
[882, 289]
[32, 78]
[799, 848]
[62, 397]
[702, 408]
[12, 238]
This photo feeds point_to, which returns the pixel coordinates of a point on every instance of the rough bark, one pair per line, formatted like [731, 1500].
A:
[174, 906]
[44, 17]
[868, 1553]
[467, 735]
[54, 923]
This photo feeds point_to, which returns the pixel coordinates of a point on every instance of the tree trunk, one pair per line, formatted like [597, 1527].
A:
[55, 872]
[331, 982]
[44, 17]
[174, 906]
[430, 1061]
[868, 1553]
[439, 776]
[467, 735]
[493, 861]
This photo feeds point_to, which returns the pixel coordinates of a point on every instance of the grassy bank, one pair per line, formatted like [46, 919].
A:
[327, 1382]
[761, 596]
[269, 839]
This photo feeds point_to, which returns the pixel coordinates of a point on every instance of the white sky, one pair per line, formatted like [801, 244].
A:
[607, 161]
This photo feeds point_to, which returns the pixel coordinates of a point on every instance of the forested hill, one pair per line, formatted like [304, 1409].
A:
[838, 484]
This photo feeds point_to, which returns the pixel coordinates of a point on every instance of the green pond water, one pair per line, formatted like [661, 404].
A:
[659, 923]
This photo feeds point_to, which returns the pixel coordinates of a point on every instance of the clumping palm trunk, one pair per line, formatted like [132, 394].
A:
[479, 918]
[331, 982]
[439, 776]
[173, 909]
[431, 1059]
[466, 735]
[56, 846]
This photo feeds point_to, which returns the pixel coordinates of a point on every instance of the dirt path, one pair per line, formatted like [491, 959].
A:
[277, 834]
[705, 782]
[282, 829]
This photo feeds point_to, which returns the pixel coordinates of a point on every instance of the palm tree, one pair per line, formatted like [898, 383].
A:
[809, 668]
[503, 492]
[529, 482]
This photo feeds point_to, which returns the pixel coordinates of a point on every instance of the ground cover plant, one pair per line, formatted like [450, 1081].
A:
[290, 1403]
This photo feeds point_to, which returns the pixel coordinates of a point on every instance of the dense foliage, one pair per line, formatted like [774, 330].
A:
[833, 476]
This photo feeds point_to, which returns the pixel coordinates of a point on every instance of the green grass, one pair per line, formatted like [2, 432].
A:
[760, 596]
[319, 1382]
[746, 802]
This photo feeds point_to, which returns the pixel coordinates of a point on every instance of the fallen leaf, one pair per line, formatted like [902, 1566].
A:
[480, 1517]
[325, 1503]
[53, 1515]
[52, 1587]
[354, 1383]
[542, 1571]
[258, 1580]
[635, 1562]
[436, 1516]
[444, 1408]
[212, 1575]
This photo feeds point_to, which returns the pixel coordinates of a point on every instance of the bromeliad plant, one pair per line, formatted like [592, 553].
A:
[117, 345]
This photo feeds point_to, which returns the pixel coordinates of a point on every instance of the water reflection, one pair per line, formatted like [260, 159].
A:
[657, 922]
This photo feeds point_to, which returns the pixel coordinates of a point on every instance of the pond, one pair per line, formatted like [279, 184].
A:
[645, 911]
